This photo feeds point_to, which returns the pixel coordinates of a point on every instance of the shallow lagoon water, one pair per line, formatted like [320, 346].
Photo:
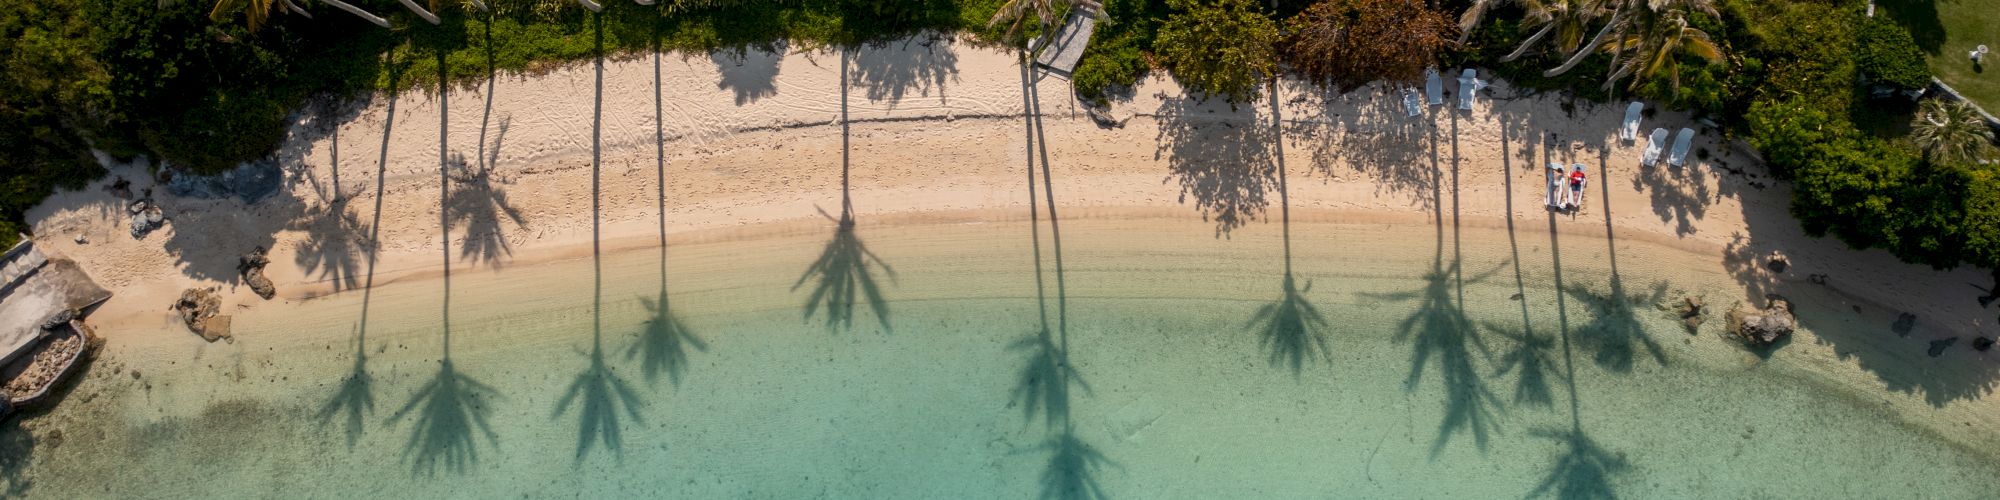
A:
[1147, 361]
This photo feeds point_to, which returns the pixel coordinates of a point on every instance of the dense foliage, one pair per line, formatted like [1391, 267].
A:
[1220, 47]
[1887, 53]
[1349, 43]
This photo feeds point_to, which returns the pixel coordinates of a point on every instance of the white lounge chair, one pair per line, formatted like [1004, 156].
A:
[1679, 155]
[1433, 86]
[1413, 103]
[1556, 194]
[1468, 88]
[1630, 130]
[1653, 146]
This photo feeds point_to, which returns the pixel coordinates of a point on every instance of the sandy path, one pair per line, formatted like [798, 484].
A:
[937, 127]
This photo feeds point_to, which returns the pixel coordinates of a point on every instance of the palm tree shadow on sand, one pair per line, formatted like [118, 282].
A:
[479, 206]
[1291, 330]
[843, 275]
[1046, 379]
[662, 345]
[452, 405]
[356, 394]
[599, 389]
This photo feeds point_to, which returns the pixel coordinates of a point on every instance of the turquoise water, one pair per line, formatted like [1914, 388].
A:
[972, 360]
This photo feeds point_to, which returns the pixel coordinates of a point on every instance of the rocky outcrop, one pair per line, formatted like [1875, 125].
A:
[251, 267]
[200, 309]
[145, 217]
[1763, 327]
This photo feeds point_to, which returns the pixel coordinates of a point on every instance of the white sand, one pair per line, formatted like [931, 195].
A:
[937, 130]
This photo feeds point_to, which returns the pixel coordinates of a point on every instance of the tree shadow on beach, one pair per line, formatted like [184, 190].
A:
[1047, 377]
[452, 405]
[891, 69]
[333, 245]
[844, 274]
[749, 72]
[479, 207]
[1221, 157]
[1290, 330]
[662, 344]
[600, 390]
[1373, 137]
[356, 394]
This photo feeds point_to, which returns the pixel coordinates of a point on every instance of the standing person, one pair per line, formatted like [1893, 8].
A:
[1576, 182]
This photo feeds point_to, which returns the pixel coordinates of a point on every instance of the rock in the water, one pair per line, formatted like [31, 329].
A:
[1938, 346]
[1982, 344]
[251, 267]
[1692, 313]
[200, 310]
[1763, 327]
[1904, 323]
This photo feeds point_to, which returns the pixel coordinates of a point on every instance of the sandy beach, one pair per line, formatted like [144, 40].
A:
[490, 179]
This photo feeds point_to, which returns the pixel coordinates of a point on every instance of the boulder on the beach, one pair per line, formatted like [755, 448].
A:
[200, 310]
[251, 267]
[1763, 327]
[145, 217]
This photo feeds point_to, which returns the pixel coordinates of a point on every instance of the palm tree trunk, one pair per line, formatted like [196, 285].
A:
[1586, 49]
[1530, 42]
[593, 6]
[296, 9]
[351, 9]
[419, 10]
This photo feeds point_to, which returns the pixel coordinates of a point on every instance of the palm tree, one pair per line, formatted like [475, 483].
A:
[256, 12]
[1018, 11]
[1470, 19]
[1651, 45]
[1566, 20]
[1948, 130]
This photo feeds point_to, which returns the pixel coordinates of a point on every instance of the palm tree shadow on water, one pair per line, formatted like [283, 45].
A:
[1615, 333]
[843, 275]
[1291, 329]
[598, 388]
[452, 405]
[1440, 330]
[662, 345]
[1046, 380]
[355, 396]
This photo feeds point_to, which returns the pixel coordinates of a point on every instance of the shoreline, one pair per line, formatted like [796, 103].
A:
[937, 139]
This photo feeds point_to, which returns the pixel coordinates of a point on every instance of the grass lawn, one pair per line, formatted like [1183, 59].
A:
[1945, 30]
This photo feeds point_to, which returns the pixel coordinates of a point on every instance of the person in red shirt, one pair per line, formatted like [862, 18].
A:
[1576, 182]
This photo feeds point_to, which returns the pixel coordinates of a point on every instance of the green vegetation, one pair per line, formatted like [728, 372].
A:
[1945, 30]
[195, 85]
[1220, 47]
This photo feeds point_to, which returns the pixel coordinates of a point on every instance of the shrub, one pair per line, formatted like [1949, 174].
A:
[1349, 43]
[1886, 53]
[1219, 48]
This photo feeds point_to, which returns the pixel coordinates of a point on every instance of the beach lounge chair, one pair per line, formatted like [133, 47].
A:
[1468, 88]
[1576, 192]
[1433, 86]
[1413, 103]
[1653, 146]
[1679, 155]
[1556, 195]
[1630, 130]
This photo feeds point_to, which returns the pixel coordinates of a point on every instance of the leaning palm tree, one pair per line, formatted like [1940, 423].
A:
[1561, 23]
[1948, 130]
[1652, 46]
[1470, 19]
[257, 12]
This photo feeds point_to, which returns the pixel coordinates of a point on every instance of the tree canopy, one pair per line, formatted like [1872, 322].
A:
[1220, 48]
[1349, 43]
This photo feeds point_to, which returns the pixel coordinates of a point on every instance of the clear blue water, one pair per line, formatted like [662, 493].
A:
[965, 361]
